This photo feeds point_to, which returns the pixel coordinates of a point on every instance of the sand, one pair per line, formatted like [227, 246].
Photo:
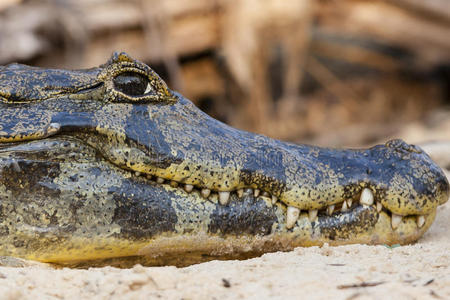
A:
[419, 271]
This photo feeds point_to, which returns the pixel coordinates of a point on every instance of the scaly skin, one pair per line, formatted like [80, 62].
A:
[106, 166]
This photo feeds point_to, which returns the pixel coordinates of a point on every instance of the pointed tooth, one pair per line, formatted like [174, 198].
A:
[366, 197]
[205, 193]
[160, 180]
[349, 203]
[330, 209]
[148, 176]
[344, 207]
[137, 173]
[173, 184]
[379, 206]
[312, 215]
[420, 221]
[53, 127]
[274, 199]
[266, 194]
[395, 221]
[240, 193]
[256, 192]
[188, 187]
[224, 198]
[292, 215]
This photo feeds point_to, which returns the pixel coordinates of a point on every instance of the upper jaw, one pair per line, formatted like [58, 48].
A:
[187, 146]
[340, 182]
[330, 178]
[180, 144]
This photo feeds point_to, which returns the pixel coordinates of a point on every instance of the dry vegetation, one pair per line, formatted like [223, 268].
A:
[328, 72]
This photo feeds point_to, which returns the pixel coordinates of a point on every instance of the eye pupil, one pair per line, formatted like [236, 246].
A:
[132, 84]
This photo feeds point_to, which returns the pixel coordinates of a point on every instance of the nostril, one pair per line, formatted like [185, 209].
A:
[401, 146]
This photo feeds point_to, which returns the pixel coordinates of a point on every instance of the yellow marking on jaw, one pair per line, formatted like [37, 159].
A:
[36, 135]
[207, 175]
[23, 125]
[186, 221]
[83, 249]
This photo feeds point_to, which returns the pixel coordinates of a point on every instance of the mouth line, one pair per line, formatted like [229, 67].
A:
[365, 198]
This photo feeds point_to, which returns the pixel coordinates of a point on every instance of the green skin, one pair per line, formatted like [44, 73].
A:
[81, 152]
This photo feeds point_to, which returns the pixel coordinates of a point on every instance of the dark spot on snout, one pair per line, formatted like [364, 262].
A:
[350, 224]
[142, 210]
[239, 217]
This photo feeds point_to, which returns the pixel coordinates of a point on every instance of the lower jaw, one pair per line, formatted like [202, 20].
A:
[193, 243]
[190, 249]
[196, 247]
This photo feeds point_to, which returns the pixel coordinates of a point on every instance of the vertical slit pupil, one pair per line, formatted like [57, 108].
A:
[132, 84]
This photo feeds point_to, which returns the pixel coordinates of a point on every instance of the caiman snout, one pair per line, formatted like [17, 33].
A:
[187, 149]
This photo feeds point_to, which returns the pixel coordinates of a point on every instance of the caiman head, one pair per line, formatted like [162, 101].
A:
[256, 186]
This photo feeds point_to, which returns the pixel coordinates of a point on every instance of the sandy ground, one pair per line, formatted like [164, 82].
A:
[419, 271]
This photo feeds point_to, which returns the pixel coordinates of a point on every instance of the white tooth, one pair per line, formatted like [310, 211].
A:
[53, 128]
[148, 89]
[137, 173]
[344, 206]
[240, 193]
[395, 221]
[149, 176]
[188, 188]
[224, 198]
[349, 203]
[174, 184]
[292, 215]
[266, 194]
[330, 209]
[256, 193]
[420, 221]
[160, 180]
[205, 193]
[366, 197]
[379, 206]
[312, 215]
[274, 199]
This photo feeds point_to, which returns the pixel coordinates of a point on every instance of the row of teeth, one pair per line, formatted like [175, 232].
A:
[293, 213]
[224, 197]
[366, 199]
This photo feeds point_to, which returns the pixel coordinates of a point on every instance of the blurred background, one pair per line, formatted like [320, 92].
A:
[336, 73]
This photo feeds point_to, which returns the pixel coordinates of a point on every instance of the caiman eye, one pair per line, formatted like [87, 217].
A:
[132, 84]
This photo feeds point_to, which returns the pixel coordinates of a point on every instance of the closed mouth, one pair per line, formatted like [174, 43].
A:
[364, 198]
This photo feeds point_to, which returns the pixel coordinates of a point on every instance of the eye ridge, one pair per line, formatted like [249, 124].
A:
[132, 84]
